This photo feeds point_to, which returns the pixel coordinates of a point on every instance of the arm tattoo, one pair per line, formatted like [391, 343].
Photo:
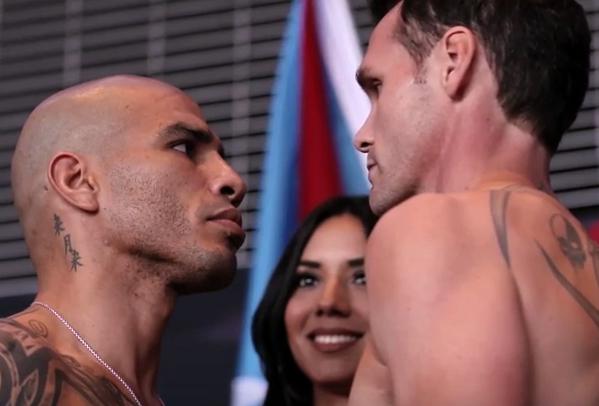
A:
[499, 200]
[31, 373]
[69, 251]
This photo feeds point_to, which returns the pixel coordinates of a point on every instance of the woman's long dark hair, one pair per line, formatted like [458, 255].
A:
[287, 384]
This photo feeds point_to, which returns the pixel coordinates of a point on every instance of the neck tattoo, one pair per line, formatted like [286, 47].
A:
[92, 351]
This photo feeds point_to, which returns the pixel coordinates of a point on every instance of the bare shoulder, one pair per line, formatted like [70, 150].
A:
[455, 228]
[438, 288]
[514, 269]
[31, 372]
[435, 211]
[477, 219]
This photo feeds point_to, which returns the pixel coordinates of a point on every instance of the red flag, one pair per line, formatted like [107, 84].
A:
[318, 168]
[594, 232]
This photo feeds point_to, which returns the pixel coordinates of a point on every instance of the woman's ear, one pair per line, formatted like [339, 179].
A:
[69, 175]
[457, 49]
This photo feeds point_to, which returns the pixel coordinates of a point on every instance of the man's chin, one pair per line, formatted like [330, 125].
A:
[381, 202]
[215, 274]
[378, 204]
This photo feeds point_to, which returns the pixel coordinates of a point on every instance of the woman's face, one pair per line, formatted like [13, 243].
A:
[327, 315]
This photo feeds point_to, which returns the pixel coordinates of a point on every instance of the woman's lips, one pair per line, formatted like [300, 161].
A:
[334, 341]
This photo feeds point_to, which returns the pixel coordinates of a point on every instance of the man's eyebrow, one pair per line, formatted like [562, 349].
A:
[356, 262]
[309, 264]
[201, 135]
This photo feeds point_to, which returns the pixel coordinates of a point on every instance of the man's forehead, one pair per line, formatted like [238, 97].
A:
[379, 45]
[387, 28]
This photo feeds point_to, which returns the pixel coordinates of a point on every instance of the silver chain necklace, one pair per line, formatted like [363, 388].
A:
[91, 351]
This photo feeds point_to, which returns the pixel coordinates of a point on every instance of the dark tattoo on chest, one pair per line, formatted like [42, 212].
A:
[31, 373]
[38, 328]
[73, 256]
[499, 201]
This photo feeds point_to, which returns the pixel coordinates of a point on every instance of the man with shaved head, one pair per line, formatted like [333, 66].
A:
[483, 288]
[126, 202]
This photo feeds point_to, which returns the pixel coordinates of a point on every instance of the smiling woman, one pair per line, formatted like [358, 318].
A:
[310, 325]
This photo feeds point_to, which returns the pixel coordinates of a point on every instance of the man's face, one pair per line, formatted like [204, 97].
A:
[172, 199]
[400, 135]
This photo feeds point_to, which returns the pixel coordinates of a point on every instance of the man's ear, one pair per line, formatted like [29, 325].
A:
[458, 49]
[68, 175]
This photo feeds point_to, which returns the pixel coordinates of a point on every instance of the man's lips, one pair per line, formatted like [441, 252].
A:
[230, 219]
[231, 214]
[333, 340]
[369, 166]
[370, 163]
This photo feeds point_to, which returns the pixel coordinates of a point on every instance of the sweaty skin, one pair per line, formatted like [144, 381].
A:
[483, 289]
[126, 202]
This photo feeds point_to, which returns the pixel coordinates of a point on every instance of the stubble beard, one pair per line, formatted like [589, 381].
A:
[212, 271]
[408, 176]
[384, 200]
[397, 183]
[162, 245]
[186, 267]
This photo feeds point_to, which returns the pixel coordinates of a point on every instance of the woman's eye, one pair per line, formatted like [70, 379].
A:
[306, 280]
[359, 278]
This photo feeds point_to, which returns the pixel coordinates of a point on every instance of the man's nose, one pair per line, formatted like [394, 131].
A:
[230, 184]
[364, 139]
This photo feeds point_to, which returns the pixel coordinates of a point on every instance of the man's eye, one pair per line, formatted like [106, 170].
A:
[184, 147]
[359, 278]
[306, 280]
[376, 86]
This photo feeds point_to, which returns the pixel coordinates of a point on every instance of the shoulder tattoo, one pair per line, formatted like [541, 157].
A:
[576, 248]
[572, 246]
[31, 373]
[499, 201]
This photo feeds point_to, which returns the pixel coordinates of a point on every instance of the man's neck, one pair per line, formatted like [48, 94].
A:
[471, 157]
[123, 322]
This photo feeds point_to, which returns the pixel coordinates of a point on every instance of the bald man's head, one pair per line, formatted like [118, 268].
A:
[87, 118]
[88, 121]
[128, 167]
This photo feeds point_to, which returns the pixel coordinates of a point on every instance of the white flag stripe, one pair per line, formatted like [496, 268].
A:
[341, 54]
[248, 391]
